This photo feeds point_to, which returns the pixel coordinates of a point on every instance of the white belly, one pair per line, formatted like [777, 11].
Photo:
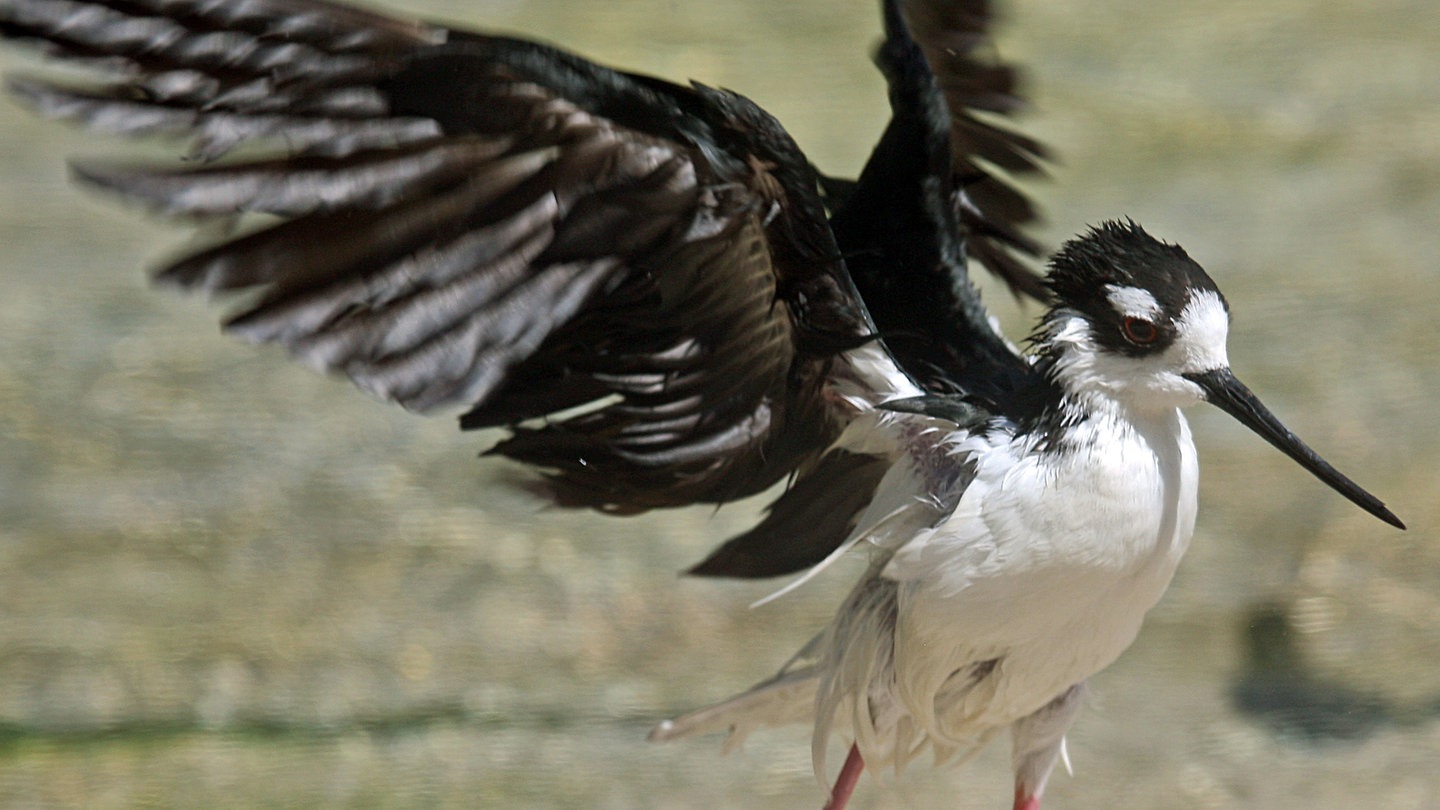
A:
[1047, 568]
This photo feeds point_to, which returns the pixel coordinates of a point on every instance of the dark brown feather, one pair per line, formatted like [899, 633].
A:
[954, 36]
[486, 222]
[807, 524]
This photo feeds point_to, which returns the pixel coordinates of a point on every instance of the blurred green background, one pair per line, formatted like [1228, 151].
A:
[226, 581]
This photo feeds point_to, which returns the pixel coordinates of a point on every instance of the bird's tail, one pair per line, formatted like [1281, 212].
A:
[787, 698]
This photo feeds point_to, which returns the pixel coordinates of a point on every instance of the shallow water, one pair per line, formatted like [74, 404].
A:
[226, 581]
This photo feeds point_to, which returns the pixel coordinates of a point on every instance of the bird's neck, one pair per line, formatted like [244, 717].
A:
[1072, 420]
[1081, 386]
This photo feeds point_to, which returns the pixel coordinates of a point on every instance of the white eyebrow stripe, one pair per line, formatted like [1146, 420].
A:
[1203, 328]
[1132, 301]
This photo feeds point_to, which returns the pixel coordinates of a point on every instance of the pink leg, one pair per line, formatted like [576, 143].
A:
[846, 781]
[1023, 802]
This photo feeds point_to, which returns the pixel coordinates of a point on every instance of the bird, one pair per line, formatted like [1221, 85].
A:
[665, 303]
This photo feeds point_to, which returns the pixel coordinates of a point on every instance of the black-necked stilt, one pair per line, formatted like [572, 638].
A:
[485, 222]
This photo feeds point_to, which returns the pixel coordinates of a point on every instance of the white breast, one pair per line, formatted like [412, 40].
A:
[1047, 567]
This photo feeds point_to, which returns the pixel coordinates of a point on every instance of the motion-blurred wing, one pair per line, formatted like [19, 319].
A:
[978, 89]
[452, 219]
[915, 216]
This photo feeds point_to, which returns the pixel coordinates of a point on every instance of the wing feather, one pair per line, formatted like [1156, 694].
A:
[290, 187]
[459, 219]
[914, 219]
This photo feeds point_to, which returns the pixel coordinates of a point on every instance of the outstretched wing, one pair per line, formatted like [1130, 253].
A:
[453, 219]
[929, 200]
[979, 90]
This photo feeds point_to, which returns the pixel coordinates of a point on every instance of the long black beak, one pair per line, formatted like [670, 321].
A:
[1230, 395]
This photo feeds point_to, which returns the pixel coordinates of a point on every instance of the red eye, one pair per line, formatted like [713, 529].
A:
[1140, 331]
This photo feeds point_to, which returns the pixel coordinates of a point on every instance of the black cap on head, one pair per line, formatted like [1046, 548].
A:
[1113, 255]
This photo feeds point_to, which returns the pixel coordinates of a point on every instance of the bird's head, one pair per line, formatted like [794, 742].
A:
[1137, 324]
[1134, 319]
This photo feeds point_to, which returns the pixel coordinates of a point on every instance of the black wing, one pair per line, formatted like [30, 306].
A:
[454, 219]
[926, 202]
[978, 89]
